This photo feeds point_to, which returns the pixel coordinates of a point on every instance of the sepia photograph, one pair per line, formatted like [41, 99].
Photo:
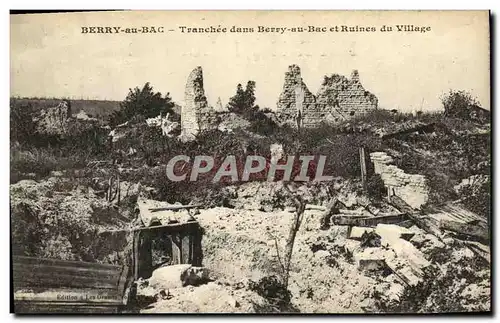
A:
[256, 162]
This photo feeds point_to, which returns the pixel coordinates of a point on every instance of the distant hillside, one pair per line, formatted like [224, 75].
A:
[95, 108]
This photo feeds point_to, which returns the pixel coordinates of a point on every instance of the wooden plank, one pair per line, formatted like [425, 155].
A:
[47, 279]
[71, 296]
[479, 249]
[470, 230]
[173, 227]
[185, 248]
[135, 254]
[122, 284]
[145, 255]
[63, 263]
[57, 286]
[75, 271]
[175, 207]
[362, 160]
[196, 258]
[422, 222]
[368, 221]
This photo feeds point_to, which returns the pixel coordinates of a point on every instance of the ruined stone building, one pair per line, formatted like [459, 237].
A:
[338, 99]
[196, 114]
[55, 120]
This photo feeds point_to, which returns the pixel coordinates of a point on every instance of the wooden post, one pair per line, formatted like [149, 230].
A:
[185, 248]
[135, 254]
[196, 251]
[176, 249]
[118, 190]
[363, 168]
[143, 258]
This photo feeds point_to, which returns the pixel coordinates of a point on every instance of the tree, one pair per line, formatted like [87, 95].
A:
[142, 102]
[22, 124]
[458, 104]
[243, 102]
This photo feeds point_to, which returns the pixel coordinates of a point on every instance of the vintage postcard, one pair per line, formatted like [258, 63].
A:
[321, 162]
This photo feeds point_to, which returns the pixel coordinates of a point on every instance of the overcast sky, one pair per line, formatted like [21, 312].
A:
[51, 57]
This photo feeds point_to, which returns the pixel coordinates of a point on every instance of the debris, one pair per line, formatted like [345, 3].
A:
[454, 211]
[473, 231]
[371, 259]
[407, 253]
[357, 232]
[427, 243]
[352, 246]
[402, 270]
[315, 207]
[358, 212]
[423, 222]
[156, 212]
[479, 249]
[394, 230]
[370, 239]
[368, 221]
[231, 301]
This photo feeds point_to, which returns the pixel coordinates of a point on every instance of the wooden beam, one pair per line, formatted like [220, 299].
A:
[473, 231]
[176, 249]
[185, 248]
[173, 226]
[175, 207]
[197, 254]
[145, 255]
[368, 221]
[422, 222]
[362, 160]
[135, 254]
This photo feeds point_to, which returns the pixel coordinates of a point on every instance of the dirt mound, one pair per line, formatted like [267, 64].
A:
[240, 245]
[57, 218]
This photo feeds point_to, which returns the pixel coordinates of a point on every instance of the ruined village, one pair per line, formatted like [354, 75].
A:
[403, 226]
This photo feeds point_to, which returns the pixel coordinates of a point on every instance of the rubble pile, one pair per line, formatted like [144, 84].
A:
[405, 257]
[412, 188]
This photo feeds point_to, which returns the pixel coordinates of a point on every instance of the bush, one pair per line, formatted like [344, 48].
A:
[461, 104]
[22, 125]
[262, 124]
[273, 290]
[27, 229]
[478, 199]
[41, 161]
[144, 102]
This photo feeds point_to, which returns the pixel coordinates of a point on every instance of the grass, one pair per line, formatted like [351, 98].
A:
[37, 163]
[96, 108]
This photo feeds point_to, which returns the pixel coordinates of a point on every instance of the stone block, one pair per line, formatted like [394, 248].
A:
[394, 231]
[371, 259]
[357, 232]
[177, 276]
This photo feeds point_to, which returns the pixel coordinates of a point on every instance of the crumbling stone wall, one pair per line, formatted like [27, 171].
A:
[196, 115]
[295, 99]
[55, 121]
[338, 99]
[411, 188]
